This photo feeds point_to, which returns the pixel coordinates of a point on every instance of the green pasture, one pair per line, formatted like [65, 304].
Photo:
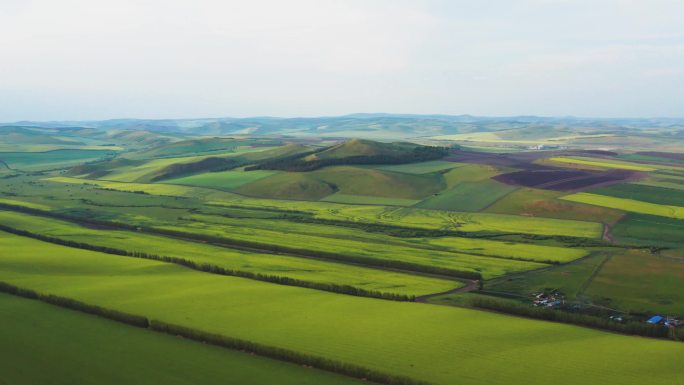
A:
[203, 145]
[469, 173]
[601, 163]
[147, 170]
[641, 282]
[479, 246]
[37, 161]
[161, 189]
[443, 345]
[468, 196]
[664, 182]
[545, 203]
[638, 192]
[569, 279]
[311, 244]
[649, 158]
[368, 200]
[419, 168]
[224, 180]
[288, 185]
[407, 217]
[630, 205]
[650, 230]
[369, 182]
[310, 270]
[471, 222]
[508, 249]
[46, 344]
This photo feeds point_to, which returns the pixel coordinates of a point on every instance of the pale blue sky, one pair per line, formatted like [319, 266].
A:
[96, 59]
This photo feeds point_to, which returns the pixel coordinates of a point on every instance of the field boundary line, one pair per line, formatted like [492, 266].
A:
[218, 270]
[273, 352]
[585, 285]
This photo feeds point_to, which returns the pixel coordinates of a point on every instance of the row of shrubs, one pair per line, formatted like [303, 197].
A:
[216, 339]
[368, 261]
[284, 354]
[407, 232]
[631, 327]
[69, 303]
[376, 262]
[342, 289]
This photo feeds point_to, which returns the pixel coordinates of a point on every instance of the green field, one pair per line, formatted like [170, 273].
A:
[150, 188]
[468, 196]
[545, 203]
[309, 270]
[570, 279]
[649, 158]
[36, 161]
[367, 200]
[70, 348]
[312, 244]
[202, 145]
[509, 249]
[650, 194]
[630, 205]
[288, 185]
[409, 217]
[437, 351]
[224, 180]
[147, 170]
[650, 230]
[368, 182]
[436, 219]
[322, 248]
[469, 173]
[600, 163]
[420, 168]
[639, 281]
[668, 183]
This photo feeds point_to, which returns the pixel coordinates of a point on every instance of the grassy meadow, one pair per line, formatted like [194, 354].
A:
[630, 205]
[310, 270]
[437, 351]
[54, 159]
[363, 253]
[581, 162]
[640, 282]
[223, 180]
[74, 348]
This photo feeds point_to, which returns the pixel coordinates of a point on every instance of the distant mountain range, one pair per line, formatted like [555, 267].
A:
[372, 125]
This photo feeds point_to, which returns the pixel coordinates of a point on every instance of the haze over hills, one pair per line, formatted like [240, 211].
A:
[370, 124]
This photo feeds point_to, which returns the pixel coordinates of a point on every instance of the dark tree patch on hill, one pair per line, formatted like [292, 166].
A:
[211, 164]
[299, 163]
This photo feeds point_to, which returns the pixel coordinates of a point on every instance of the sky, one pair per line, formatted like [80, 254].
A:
[99, 59]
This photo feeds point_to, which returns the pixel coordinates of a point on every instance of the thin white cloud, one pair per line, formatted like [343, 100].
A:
[77, 59]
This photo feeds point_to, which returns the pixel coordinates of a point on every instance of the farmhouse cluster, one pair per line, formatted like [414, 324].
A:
[551, 299]
[664, 321]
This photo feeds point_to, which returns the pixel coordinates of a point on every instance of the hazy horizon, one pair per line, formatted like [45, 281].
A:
[400, 114]
[96, 60]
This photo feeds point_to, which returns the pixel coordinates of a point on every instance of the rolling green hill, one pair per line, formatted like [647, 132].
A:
[354, 152]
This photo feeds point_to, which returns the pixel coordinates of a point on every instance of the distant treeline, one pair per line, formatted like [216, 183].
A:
[418, 154]
[217, 339]
[604, 323]
[369, 261]
[209, 268]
